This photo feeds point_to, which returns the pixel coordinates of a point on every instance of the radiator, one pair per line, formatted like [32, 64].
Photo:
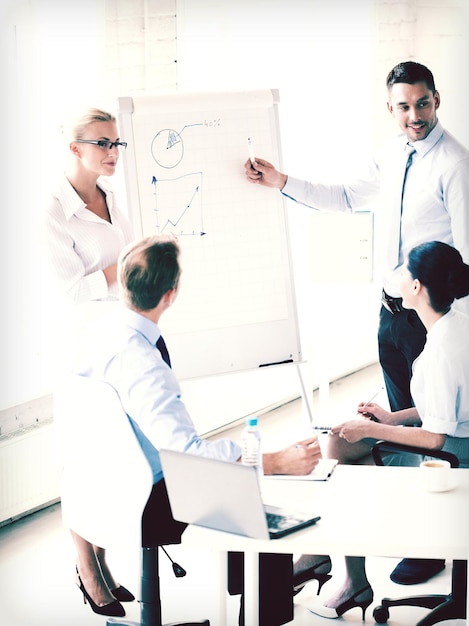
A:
[29, 474]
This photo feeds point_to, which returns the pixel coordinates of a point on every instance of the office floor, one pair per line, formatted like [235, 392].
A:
[37, 585]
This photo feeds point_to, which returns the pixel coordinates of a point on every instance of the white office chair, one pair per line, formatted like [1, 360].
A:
[106, 481]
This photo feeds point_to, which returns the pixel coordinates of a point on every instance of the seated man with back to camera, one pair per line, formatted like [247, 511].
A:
[126, 352]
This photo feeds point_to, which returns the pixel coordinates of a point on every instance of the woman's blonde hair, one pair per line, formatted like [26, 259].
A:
[74, 126]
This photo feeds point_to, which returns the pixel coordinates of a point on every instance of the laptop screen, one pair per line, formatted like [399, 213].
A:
[223, 496]
[216, 494]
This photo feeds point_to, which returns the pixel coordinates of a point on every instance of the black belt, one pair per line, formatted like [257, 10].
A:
[393, 305]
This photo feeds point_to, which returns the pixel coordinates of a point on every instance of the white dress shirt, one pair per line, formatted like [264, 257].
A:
[435, 202]
[440, 377]
[121, 350]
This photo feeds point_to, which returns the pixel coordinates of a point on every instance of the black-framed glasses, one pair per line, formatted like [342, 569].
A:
[105, 144]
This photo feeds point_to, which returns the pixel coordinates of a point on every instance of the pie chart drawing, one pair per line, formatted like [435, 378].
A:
[167, 148]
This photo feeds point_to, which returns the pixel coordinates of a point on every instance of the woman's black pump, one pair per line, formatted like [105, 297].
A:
[113, 609]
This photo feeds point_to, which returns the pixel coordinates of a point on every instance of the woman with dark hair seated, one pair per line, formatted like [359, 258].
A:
[434, 277]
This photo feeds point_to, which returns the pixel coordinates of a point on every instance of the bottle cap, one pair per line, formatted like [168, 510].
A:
[252, 421]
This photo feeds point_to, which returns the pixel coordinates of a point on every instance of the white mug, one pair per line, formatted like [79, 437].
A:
[435, 475]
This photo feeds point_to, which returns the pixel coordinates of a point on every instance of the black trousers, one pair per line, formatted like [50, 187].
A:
[401, 338]
[275, 586]
[159, 528]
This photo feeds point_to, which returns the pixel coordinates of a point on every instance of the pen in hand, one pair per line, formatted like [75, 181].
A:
[370, 400]
[251, 151]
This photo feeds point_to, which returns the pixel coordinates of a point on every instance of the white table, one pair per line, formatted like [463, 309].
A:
[365, 511]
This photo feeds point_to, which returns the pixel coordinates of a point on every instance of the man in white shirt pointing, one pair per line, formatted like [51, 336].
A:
[419, 181]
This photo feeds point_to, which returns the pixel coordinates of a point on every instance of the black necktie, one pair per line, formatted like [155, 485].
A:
[394, 241]
[409, 150]
[160, 344]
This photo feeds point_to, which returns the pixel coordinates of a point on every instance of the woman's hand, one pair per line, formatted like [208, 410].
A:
[354, 430]
[373, 411]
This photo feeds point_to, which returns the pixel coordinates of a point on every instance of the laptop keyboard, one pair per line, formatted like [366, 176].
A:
[275, 521]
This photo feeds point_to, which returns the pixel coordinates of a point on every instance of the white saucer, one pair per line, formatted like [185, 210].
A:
[441, 489]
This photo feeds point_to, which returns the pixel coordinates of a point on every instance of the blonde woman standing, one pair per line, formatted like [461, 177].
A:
[84, 230]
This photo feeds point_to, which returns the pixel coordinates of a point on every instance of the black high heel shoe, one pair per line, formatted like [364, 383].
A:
[122, 594]
[113, 609]
[311, 573]
[363, 603]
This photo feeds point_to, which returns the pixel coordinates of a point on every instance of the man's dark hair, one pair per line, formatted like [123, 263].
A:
[411, 72]
[147, 270]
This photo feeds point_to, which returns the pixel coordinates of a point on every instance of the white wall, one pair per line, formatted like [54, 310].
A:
[50, 50]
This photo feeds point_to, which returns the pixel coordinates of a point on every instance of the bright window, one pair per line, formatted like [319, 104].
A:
[50, 61]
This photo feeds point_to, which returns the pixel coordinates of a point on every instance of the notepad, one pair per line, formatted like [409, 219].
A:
[322, 471]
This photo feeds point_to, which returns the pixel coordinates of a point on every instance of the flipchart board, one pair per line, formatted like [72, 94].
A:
[184, 174]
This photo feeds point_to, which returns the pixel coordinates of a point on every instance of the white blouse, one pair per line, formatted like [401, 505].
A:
[78, 244]
[440, 379]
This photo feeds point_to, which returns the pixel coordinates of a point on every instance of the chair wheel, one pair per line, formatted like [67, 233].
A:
[381, 614]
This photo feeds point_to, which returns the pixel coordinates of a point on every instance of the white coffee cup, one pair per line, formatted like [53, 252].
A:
[435, 475]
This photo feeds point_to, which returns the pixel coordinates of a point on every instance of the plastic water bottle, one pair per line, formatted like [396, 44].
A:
[251, 446]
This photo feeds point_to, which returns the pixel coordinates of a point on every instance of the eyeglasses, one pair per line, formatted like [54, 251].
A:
[104, 143]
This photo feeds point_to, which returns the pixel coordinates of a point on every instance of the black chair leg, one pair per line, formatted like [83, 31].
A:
[150, 606]
[445, 607]
[455, 604]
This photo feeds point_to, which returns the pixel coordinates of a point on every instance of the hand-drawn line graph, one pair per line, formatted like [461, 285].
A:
[178, 205]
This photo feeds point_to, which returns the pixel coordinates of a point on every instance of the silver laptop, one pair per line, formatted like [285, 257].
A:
[224, 496]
